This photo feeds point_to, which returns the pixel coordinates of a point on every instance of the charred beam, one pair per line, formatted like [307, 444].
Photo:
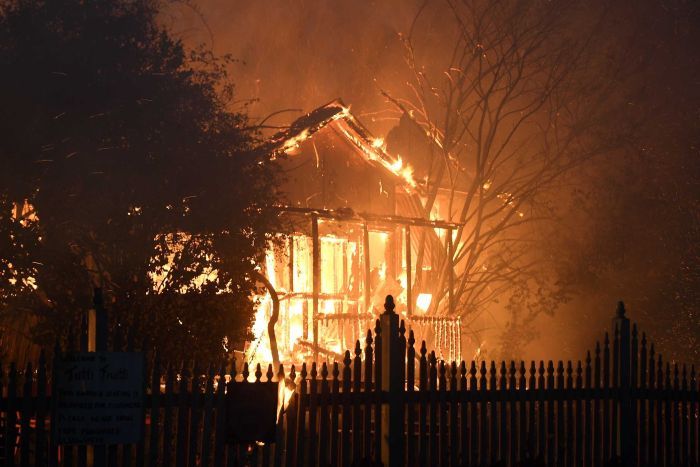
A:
[348, 215]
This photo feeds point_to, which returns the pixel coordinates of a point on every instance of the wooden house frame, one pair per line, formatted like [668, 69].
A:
[352, 210]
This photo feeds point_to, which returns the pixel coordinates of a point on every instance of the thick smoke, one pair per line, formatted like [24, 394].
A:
[300, 54]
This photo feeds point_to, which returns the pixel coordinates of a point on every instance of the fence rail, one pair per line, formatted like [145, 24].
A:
[393, 403]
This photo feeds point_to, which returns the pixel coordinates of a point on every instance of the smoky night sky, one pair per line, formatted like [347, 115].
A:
[302, 54]
[626, 221]
[563, 138]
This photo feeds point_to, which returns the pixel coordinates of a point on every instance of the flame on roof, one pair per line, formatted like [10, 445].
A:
[371, 149]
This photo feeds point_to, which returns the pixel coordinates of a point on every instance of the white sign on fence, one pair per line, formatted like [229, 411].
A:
[99, 398]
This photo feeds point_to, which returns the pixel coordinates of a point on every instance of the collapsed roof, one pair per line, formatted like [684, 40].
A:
[371, 149]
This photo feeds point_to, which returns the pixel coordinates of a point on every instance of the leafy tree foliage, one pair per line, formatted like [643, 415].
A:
[122, 166]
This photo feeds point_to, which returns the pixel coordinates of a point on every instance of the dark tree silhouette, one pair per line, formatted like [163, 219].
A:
[516, 97]
[121, 166]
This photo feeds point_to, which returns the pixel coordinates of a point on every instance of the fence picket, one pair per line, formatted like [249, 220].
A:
[433, 442]
[281, 415]
[300, 453]
[597, 434]
[464, 427]
[443, 447]
[422, 415]
[541, 420]
[312, 428]
[411, 440]
[606, 399]
[568, 450]
[668, 426]
[502, 416]
[522, 415]
[291, 424]
[532, 413]
[377, 390]
[660, 426]
[559, 416]
[579, 452]
[512, 407]
[335, 409]
[550, 406]
[676, 418]
[492, 416]
[323, 414]
[453, 452]
[473, 414]
[368, 388]
[346, 417]
[614, 402]
[483, 417]
[588, 458]
[356, 408]
[653, 419]
[400, 402]
[643, 424]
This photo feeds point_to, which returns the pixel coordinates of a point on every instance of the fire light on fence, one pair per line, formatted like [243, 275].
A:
[287, 387]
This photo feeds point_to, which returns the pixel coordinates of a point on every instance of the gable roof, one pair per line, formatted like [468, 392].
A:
[336, 113]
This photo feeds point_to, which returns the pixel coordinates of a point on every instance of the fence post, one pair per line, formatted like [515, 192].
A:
[626, 434]
[392, 384]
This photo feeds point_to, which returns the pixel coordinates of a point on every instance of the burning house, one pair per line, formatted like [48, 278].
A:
[354, 214]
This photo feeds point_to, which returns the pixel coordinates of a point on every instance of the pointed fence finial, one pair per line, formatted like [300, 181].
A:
[389, 305]
[620, 313]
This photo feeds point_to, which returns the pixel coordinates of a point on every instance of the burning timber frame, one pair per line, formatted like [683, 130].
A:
[341, 165]
[365, 219]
